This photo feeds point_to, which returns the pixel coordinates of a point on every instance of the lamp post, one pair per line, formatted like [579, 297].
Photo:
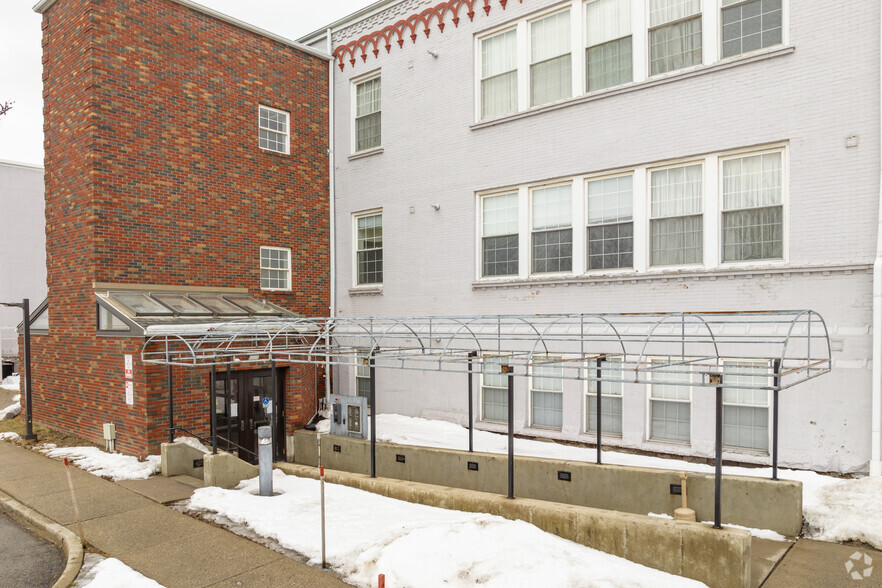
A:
[25, 306]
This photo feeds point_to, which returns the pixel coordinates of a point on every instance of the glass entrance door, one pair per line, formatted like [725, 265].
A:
[252, 402]
[227, 407]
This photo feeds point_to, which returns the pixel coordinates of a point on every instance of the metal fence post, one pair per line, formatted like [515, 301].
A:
[509, 369]
[171, 404]
[472, 354]
[599, 404]
[213, 400]
[373, 408]
[776, 381]
[718, 450]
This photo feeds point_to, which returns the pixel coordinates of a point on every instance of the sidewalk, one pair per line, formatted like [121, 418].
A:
[169, 547]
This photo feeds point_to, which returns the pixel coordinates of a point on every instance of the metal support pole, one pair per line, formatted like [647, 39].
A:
[229, 407]
[373, 408]
[171, 404]
[599, 405]
[29, 414]
[265, 460]
[472, 354]
[274, 423]
[510, 372]
[230, 393]
[213, 400]
[776, 381]
[718, 449]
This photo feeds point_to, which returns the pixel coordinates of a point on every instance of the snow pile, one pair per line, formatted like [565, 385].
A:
[115, 466]
[194, 443]
[758, 533]
[10, 436]
[12, 409]
[11, 382]
[850, 510]
[16, 398]
[416, 545]
[98, 572]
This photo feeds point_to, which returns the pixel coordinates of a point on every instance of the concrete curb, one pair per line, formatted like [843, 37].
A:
[69, 543]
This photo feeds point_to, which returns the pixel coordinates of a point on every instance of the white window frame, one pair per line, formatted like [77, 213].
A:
[353, 106]
[482, 416]
[576, 11]
[287, 132]
[708, 260]
[287, 287]
[561, 393]
[479, 250]
[649, 400]
[785, 205]
[574, 215]
[636, 174]
[785, 32]
[361, 355]
[589, 390]
[736, 448]
[355, 217]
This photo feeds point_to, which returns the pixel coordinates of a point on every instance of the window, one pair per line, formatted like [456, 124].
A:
[499, 230]
[499, 74]
[610, 223]
[109, 321]
[275, 268]
[674, 35]
[547, 394]
[552, 229]
[40, 322]
[608, 52]
[676, 215]
[611, 403]
[753, 224]
[367, 114]
[273, 129]
[494, 390]
[751, 25]
[746, 412]
[369, 249]
[670, 404]
[550, 59]
[363, 375]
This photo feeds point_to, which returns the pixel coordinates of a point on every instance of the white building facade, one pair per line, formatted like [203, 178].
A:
[615, 156]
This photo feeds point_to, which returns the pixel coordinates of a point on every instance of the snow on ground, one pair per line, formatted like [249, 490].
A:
[100, 572]
[11, 382]
[16, 398]
[413, 544]
[10, 436]
[11, 408]
[115, 466]
[758, 533]
[193, 442]
[833, 507]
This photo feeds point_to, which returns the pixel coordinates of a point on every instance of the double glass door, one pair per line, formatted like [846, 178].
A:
[251, 402]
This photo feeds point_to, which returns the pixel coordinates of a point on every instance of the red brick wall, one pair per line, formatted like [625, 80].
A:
[154, 176]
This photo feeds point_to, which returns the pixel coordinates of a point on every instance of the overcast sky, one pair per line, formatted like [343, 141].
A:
[21, 130]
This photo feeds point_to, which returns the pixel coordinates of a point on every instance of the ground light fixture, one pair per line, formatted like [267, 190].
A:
[25, 306]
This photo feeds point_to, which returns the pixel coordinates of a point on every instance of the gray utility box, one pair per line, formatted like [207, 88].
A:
[349, 416]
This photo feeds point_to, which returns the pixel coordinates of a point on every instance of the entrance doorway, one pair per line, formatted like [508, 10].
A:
[252, 402]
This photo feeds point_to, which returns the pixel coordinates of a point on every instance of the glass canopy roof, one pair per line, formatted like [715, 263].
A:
[182, 304]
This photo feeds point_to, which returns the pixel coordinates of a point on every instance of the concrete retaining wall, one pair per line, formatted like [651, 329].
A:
[178, 458]
[750, 502]
[719, 558]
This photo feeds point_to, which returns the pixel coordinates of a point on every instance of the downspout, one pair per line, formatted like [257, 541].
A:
[333, 250]
[876, 442]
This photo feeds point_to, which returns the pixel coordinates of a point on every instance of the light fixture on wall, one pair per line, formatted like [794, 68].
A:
[436, 206]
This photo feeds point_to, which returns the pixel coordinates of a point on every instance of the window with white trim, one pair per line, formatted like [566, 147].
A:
[499, 74]
[676, 225]
[753, 211]
[368, 114]
[494, 389]
[748, 25]
[275, 268]
[608, 45]
[552, 214]
[670, 403]
[611, 399]
[369, 249]
[551, 77]
[273, 129]
[363, 375]
[546, 393]
[499, 235]
[746, 412]
[610, 222]
[674, 35]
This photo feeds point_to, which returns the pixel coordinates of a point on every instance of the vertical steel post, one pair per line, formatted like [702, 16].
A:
[212, 396]
[29, 407]
[265, 460]
[718, 450]
[230, 390]
[171, 403]
[472, 354]
[228, 395]
[599, 405]
[273, 421]
[372, 406]
[776, 381]
[510, 372]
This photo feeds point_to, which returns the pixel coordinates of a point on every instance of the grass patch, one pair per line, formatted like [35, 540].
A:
[44, 434]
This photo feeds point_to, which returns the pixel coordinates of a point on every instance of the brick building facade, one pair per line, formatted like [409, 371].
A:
[159, 177]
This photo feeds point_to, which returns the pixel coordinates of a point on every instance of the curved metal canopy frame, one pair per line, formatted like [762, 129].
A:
[648, 346]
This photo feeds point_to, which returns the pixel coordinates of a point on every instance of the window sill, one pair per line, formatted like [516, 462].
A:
[273, 152]
[658, 80]
[679, 275]
[366, 291]
[366, 153]
[275, 289]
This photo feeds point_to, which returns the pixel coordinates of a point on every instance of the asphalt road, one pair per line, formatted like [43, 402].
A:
[26, 561]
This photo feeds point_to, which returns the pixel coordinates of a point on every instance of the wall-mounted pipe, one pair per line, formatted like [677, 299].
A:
[876, 432]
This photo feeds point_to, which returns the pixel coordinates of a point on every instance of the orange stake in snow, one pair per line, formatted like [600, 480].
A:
[73, 498]
[381, 581]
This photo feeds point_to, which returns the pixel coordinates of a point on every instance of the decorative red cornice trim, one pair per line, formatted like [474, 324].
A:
[398, 31]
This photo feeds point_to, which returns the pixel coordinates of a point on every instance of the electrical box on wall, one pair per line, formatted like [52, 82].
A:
[109, 431]
[349, 416]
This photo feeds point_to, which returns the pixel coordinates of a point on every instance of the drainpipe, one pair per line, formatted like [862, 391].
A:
[876, 447]
[333, 297]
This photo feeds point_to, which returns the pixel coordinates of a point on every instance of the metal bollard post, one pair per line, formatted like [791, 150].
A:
[265, 459]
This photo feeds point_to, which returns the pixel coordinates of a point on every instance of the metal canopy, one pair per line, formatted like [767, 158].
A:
[639, 348]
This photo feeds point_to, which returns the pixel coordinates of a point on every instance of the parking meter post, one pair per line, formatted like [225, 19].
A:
[265, 459]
